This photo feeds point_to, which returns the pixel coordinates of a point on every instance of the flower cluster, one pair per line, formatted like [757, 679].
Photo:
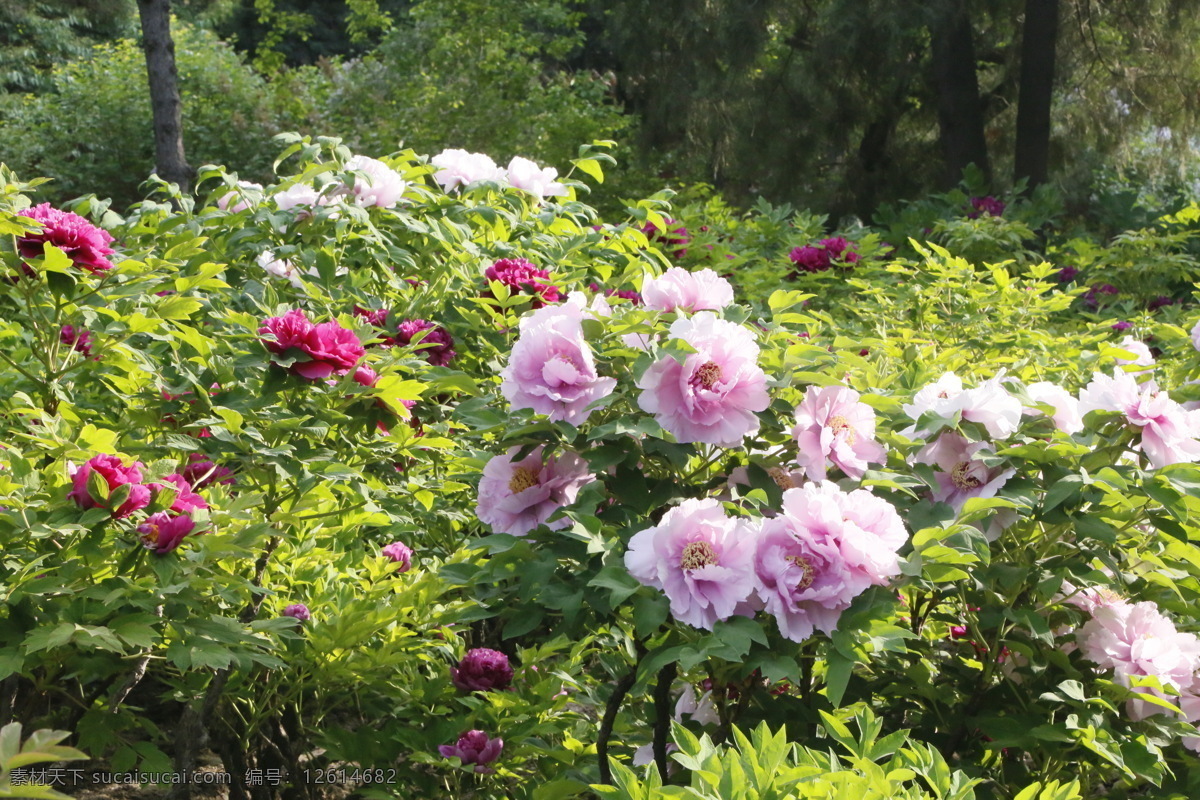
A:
[803, 566]
[326, 349]
[825, 254]
[458, 168]
[1167, 431]
[986, 205]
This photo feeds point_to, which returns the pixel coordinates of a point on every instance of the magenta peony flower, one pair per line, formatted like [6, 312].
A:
[1066, 408]
[702, 560]
[401, 554]
[525, 175]
[986, 205]
[1136, 640]
[330, 347]
[680, 290]
[482, 670]
[551, 369]
[474, 747]
[78, 339]
[1096, 294]
[517, 496]
[522, 277]
[823, 255]
[437, 345]
[1121, 325]
[1160, 302]
[298, 611]
[162, 532]
[459, 168]
[831, 424]
[84, 243]
[186, 501]
[201, 472]
[675, 238]
[1066, 274]
[378, 185]
[712, 397]
[962, 475]
[365, 376]
[115, 475]
[1168, 435]
[629, 294]
[822, 551]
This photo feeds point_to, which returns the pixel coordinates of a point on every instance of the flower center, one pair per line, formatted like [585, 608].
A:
[841, 425]
[150, 535]
[708, 374]
[522, 479]
[961, 476]
[697, 554]
[782, 478]
[807, 578]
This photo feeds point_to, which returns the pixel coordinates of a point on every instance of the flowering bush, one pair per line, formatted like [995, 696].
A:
[514, 501]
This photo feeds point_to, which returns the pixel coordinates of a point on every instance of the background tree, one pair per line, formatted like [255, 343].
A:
[169, 159]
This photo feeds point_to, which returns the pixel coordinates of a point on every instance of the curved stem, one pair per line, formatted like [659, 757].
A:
[610, 715]
[662, 716]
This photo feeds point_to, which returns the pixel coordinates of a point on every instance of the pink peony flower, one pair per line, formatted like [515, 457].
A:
[822, 551]
[522, 277]
[78, 339]
[239, 198]
[482, 670]
[1066, 414]
[436, 345]
[330, 347]
[702, 560]
[1142, 356]
[525, 175]
[785, 479]
[115, 475]
[1196, 336]
[459, 168]
[713, 395]
[378, 185]
[1167, 431]
[298, 611]
[831, 424]
[162, 532]
[1137, 640]
[84, 243]
[474, 747]
[551, 369]
[280, 268]
[186, 501]
[680, 290]
[962, 475]
[517, 496]
[302, 197]
[201, 472]
[400, 553]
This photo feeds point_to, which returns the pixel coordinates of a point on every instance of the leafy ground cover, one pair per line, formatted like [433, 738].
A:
[417, 476]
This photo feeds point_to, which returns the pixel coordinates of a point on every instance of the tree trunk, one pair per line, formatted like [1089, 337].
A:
[960, 110]
[1038, 38]
[169, 161]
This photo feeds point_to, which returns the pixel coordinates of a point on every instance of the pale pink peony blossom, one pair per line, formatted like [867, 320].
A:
[1066, 414]
[832, 425]
[677, 289]
[378, 184]
[702, 560]
[1196, 336]
[1135, 639]
[551, 369]
[240, 197]
[458, 168]
[988, 404]
[516, 496]
[1168, 431]
[712, 397]
[826, 548]
[963, 475]
[525, 175]
[302, 197]
[279, 267]
[1142, 357]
